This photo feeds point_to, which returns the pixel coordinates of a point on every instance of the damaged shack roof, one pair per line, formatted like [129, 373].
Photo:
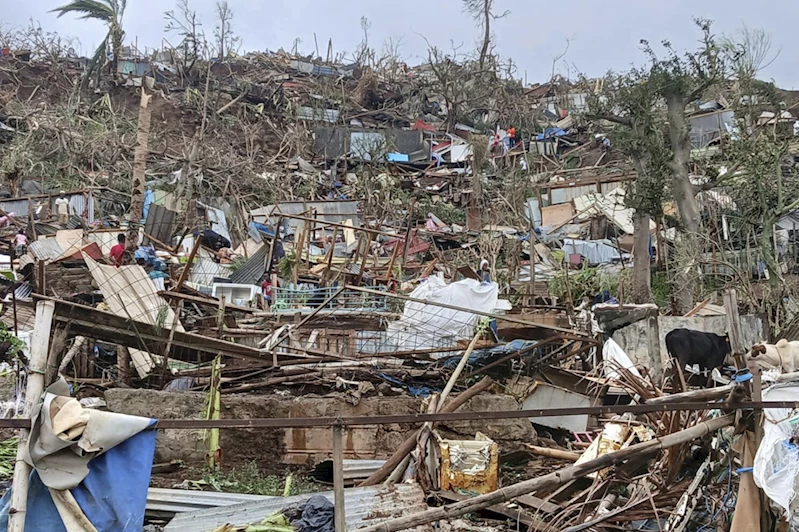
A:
[363, 507]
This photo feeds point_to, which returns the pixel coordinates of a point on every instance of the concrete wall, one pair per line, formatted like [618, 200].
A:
[300, 446]
[634, 338]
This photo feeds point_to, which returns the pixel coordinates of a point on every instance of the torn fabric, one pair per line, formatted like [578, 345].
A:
[65, 437]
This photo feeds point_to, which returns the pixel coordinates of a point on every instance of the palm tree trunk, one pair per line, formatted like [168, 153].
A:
[140, 164]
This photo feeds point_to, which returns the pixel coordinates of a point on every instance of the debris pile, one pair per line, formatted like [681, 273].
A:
[428, 299]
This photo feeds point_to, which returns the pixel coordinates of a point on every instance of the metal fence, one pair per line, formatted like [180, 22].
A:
[294, 299]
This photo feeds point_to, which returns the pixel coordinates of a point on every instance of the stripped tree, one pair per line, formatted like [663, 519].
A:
[680, 80]
[482, 11]
[625, 110]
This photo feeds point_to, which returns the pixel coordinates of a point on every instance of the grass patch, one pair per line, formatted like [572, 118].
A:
[249, 479]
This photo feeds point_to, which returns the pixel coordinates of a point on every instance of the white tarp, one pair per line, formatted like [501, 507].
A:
[425, 326]
[614, 357]
[776, 467]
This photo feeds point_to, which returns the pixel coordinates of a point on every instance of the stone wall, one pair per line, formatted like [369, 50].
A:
[634, 341]
[304, 445]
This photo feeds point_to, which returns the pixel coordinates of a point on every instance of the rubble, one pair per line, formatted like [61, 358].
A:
[444, 280]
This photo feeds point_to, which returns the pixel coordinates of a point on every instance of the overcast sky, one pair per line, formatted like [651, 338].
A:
[604, 34]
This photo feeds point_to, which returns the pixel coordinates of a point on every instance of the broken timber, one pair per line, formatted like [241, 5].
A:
[93, 323]
[553, 479]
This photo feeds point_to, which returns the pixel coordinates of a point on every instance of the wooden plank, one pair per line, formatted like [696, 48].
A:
[556, 214]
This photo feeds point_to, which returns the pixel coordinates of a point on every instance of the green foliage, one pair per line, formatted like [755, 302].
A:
[15, 344]
[286, 264]
[250, 479]
[586, 282]
[661, 289]
[160, 318]
[8, 455]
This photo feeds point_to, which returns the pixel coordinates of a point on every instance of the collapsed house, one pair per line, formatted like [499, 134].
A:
[433, 360]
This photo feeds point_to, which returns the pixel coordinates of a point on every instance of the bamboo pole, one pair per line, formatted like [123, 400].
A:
[552, 453]
[410, 443]
[338, 478]
[554, 479]
[33, 393]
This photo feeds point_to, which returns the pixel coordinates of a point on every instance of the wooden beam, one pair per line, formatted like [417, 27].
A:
[185, 273]
[93, 323]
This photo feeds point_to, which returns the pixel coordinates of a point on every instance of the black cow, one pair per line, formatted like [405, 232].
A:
[691, 347]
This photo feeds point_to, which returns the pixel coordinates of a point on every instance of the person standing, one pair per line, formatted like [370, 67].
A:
[62, 208]
[118, 251]
[21, 241]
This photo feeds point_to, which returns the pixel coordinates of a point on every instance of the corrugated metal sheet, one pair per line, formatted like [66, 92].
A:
[363, 507]
[17, 206]
[45, 229]
[565, 195]
[327, 211]
[171, 501]
[74, 222]
[105, 239]
[217, 221]
[252, 271]
[46, 249]
[160, 223]
[79, 204]
[204, 271]
[26, 316]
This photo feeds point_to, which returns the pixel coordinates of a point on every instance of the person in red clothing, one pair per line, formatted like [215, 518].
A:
[118, 251]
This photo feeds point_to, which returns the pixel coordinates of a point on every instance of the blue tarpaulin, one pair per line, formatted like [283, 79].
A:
[113, 495]
[551, 132]
[481, 357]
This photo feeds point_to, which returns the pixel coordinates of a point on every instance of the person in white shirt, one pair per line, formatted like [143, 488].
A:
[62, 208]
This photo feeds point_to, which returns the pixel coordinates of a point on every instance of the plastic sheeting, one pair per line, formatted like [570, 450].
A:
[425, 326]
[595, 251]
[776, 468]
[614, 356]
[113, 496]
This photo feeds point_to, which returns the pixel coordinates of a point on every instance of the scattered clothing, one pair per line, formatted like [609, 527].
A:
[317, 516]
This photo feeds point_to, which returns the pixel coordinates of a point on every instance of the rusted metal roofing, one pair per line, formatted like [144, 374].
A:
[363, 507]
